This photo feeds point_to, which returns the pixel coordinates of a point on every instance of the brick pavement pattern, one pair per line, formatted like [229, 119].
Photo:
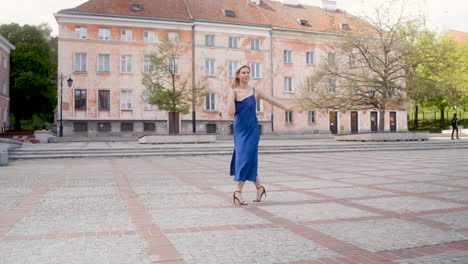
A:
[362, 207]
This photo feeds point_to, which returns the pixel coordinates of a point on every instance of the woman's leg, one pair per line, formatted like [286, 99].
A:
[238, 192]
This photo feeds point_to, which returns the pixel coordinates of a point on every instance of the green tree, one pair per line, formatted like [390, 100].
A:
[166, 89]
[31, 69]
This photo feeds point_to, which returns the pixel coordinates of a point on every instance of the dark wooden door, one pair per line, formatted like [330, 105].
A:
[373, 121]
[334, 122]
[354, 122]
[393, 127]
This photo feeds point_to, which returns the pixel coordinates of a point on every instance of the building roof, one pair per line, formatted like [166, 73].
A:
[268, 13]
[459, 36]
[5, 44]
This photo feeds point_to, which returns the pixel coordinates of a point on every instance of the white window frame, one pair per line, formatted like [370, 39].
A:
[210, 67]
[311, 117]
[288, 84]
[147, 106]
[175, 60]
[233, 41]
[101, 63]
[259, 106]
[126, 64]
[210, 102]
[126, 34]
[287, 56]
[81, 32]
[209, 40]
[232, 68]
[310, 58]
[104, 34]
[332, 85]
[255, 44]
[149, 36]
[173, 38]
[125, 99]
[81, 62]
[147, 66]
[288, 117]
[255, 70]
[4, 62]
[331, 57]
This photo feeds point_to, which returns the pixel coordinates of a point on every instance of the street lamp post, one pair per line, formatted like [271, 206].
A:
[70, 82]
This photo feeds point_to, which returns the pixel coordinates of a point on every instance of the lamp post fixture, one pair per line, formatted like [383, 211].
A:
[70, 82]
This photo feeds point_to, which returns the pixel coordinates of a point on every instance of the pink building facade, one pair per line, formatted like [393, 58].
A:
[5, 48]
[103, 49]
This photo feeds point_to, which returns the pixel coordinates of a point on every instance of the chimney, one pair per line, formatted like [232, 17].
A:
[257, 2]
[329, 5]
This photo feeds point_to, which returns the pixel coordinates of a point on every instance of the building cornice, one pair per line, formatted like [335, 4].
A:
[6, 45]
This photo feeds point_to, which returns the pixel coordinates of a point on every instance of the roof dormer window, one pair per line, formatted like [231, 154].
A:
[303, 22]
[229, 13]
[345, 27]
[136, 7]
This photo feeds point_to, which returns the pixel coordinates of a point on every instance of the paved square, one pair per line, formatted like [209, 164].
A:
[247, 246]
[341, 207]
[388, 234]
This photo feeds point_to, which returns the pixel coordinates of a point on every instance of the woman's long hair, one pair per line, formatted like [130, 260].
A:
[238, 71]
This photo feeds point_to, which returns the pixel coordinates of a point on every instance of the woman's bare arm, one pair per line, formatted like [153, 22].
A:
[262, 95]
[231, 106]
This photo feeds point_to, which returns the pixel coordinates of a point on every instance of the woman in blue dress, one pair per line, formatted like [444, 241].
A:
[242, 104]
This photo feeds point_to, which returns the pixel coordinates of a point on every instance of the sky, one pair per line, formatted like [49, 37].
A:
[440, 14]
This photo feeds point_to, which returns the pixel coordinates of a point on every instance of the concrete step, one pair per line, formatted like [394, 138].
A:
[225, 150]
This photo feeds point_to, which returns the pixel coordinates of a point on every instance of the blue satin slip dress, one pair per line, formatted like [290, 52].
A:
[244, 161]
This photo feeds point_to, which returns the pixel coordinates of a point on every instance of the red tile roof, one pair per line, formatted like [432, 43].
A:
[459, 36]
[268, 13]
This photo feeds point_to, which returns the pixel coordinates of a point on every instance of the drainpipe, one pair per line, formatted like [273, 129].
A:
[194, 115]
[271, 77]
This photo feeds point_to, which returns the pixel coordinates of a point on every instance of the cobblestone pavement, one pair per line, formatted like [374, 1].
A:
[361, 207]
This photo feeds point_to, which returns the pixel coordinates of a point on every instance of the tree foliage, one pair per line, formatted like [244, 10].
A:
[165, 88]
[31, 69]
[362, 71]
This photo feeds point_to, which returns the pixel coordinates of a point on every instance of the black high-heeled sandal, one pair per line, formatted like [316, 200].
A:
[234, 198]
[259, 199]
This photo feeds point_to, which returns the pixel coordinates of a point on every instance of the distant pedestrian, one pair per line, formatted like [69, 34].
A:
[242, 103]
[454, 125]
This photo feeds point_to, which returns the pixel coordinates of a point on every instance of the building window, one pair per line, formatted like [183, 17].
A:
[104, 100]
[104, 127]
[210, 67]
[332, 86]
[173, 65]
[103, 63]
[148, 36]
[126, 35]
[80, 99]
[209, 40]
[210, 128]
[81, 32]
[303, 22]
[104, 34]
[352, 60]
[233, 42]
[149, 127]
[331, 58]
[309, 83]
[288, 117]
[345, 27]
[80, 62]
[147, 106]
[80, 127]
[310, 58]
[4, 62]
[287, 84]
[148, 66]
[229, 13]
[255, 70]
[173, 38]
[255, 44]
[232, 68]
[311, 117]
[287, 56]
[126, 127]
[259, 105]
[126, 100]
[210, 102]
[126, 64]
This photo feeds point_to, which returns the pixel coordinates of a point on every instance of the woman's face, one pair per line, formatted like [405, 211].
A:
[244, 75]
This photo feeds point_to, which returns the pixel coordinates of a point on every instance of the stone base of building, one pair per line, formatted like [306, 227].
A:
[164, 139]
[385, 136]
